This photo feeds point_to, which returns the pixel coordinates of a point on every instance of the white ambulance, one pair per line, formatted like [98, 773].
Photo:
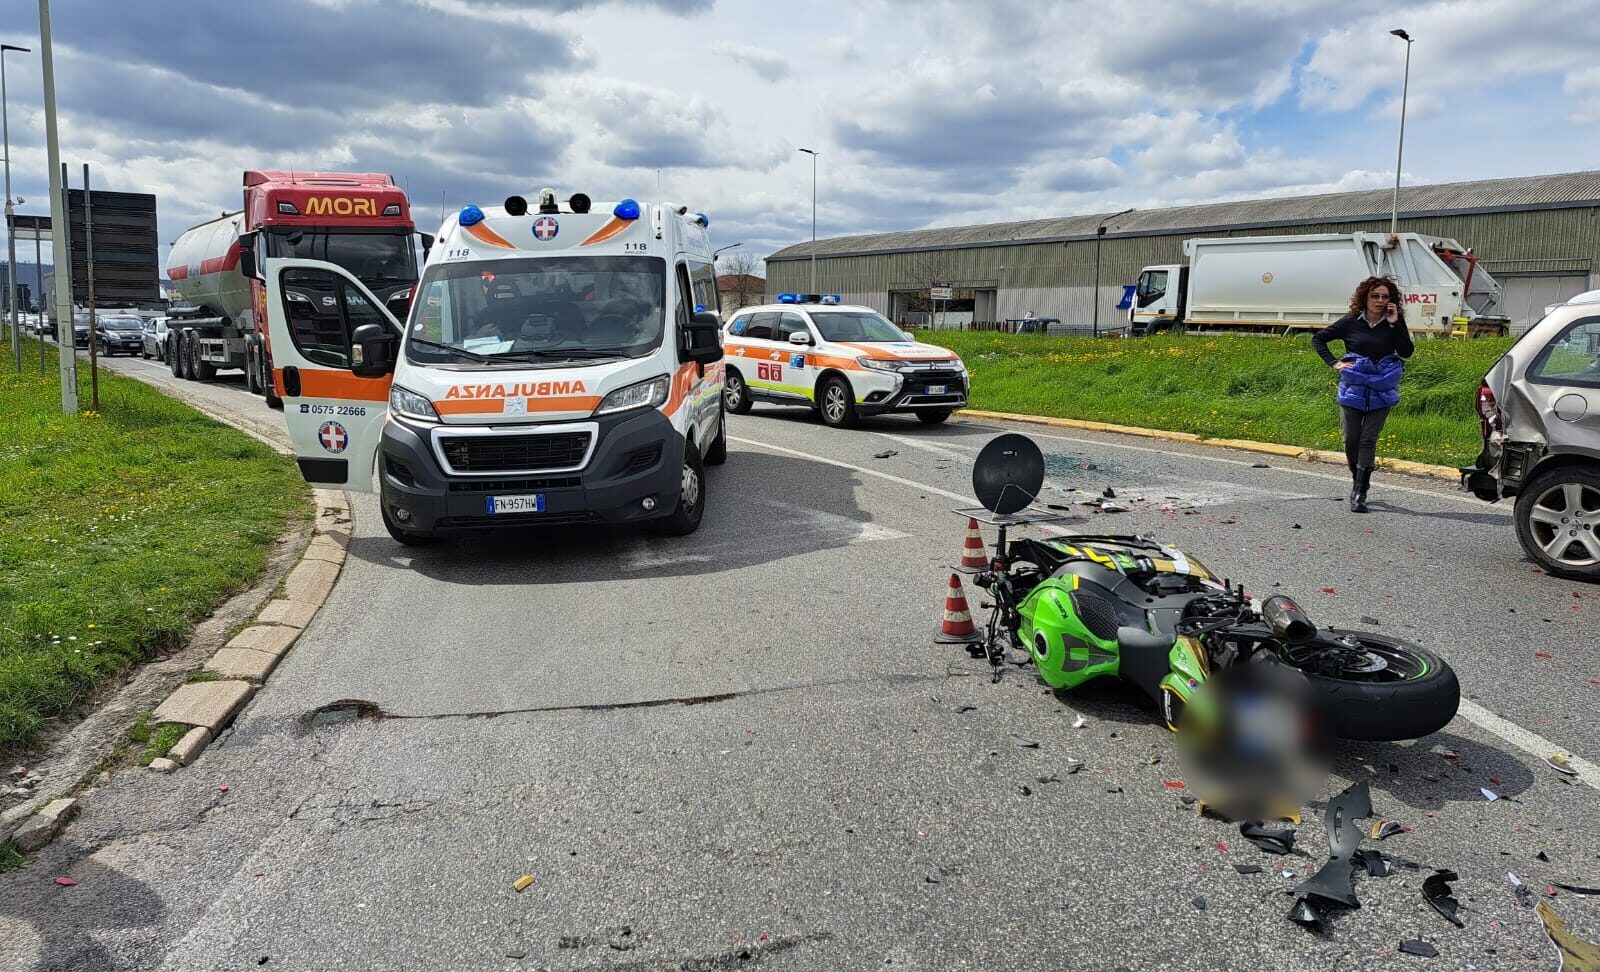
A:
[559, 364]
[839, 360]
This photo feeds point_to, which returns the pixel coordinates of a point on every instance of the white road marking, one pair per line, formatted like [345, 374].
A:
[1467, 499]
[796, 524]
[1529, 742]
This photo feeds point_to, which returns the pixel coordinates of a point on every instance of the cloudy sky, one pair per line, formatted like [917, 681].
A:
[932, 112]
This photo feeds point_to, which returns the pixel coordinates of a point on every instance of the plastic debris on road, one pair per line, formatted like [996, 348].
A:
[1417, 946]
[1577, 955]
[66, 882]
[1437, 892]
[523, 883]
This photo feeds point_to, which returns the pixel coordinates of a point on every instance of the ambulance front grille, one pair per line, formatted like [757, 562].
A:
[515, 453]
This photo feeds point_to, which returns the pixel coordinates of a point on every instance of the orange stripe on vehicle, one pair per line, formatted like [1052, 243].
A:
[480, 232]
[316, 383]
[737, 351]
[682, 383]
[612, 227]
[497, 406]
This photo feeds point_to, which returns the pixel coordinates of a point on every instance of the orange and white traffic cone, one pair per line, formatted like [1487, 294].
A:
[973, 557]
[956, 628]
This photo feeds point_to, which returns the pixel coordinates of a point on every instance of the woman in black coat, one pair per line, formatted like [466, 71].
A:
[1374, 329]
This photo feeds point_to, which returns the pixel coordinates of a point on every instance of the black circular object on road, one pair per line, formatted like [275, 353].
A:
[1008, 474]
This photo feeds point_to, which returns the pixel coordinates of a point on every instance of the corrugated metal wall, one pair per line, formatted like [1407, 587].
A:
[1056, 279]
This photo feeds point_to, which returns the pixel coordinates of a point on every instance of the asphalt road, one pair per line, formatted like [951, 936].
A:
[820, 786]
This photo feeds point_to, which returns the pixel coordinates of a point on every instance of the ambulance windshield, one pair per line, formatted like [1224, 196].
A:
[844, 325]
[545, 310]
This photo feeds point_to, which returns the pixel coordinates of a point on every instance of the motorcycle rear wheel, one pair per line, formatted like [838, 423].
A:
[1382, 689]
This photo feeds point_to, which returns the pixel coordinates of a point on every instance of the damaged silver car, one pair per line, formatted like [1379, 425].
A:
[1540, 412]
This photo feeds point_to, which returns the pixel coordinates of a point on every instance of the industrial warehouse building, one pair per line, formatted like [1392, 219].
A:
[1537, 235]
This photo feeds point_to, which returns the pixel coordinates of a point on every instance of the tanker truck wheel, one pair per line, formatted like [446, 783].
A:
[203, 370]
[174, 357]
[252, 372]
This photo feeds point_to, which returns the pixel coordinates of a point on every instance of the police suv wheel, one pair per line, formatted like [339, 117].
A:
[837, 403]
[735, 396]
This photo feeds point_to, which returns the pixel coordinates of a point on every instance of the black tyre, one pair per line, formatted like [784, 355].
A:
[144, 352]
[933, 416]
[735, 395]
[837, 403]
[267, 388]
[175, 354]
[685, 518]
[252, 371]
[1373, 687]
[187, 349]
[1558, 521]
[718, 453]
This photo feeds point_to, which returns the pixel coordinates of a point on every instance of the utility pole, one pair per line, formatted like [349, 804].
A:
[88, 269]
[1099, 233]
[1405, 88]
[68, 359]
[11, 212]
[813, 155]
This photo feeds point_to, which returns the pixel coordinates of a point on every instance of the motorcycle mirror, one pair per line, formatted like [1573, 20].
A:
[1008, 474]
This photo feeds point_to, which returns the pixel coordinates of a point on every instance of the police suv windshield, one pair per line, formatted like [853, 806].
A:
[541, 311]
[844, 325]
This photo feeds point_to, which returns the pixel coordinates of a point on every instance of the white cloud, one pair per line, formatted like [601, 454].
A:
[768, 64]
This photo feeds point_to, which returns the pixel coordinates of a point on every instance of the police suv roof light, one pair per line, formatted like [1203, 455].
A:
[579, 203]
[703, 220]
[516, 206]
[470, 216]
[788, 298]
[547, 202]
[830, 298]
[626, 209]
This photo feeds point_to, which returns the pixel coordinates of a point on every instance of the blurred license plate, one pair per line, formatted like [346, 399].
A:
[525, 503]
[936, 389]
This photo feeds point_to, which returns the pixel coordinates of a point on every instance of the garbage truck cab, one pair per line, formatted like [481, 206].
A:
[559, 364]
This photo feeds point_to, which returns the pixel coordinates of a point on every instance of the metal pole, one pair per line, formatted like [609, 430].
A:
[1405, 88]
[88, 269]
[1099, 232]
[813, 154]
[11, 212]
[58, 220]
[38, 295]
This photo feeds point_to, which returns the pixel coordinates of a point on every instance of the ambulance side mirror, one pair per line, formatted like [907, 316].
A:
[372, 351]
[702, 339]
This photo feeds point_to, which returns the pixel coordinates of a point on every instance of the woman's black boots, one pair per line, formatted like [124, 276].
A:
[1358, 492]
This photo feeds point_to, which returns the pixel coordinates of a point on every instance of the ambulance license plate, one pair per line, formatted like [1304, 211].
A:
[524, 503]
[936, 389]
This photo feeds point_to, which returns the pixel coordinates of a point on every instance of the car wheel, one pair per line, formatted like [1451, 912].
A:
[685, 518]
[838, 403]
[735, 395]
[1558, 522]
[933, 416]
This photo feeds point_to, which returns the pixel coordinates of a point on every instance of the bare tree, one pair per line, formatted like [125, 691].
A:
[744, 285]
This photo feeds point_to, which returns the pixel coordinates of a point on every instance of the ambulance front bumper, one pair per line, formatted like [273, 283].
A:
[627, 459]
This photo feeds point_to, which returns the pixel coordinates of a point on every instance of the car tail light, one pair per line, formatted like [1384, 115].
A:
[1488, 410]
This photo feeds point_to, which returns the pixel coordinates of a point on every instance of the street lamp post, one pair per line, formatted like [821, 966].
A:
[1405, 86]
[1099, 233]
[11, 212]
[721, 248]
[66, 357]
[813, 154]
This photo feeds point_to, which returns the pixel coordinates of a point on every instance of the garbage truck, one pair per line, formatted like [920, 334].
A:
[360, 221]
[1287, 283]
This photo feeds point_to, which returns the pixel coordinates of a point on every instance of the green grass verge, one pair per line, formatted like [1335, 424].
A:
[11, 858]
[122, 529]
[1270, 389]
[154, 739]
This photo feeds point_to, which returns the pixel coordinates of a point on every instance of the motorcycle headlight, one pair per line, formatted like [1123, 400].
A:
[645, 394]
[407, 403]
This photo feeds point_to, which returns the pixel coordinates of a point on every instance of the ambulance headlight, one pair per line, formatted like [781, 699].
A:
[408, 404]
[646, 394]
[878, 364]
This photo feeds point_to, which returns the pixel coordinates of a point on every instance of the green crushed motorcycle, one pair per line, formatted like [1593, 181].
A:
[1089, 606]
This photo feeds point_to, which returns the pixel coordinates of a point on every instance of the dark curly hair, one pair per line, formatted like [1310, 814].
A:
[1358, 300]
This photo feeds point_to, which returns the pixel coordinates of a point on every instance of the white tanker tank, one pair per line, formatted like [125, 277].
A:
[204, 269]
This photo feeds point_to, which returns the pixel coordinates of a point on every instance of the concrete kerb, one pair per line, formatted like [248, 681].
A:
[1403, 466]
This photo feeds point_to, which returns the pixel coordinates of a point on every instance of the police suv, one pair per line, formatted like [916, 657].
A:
[839, 360]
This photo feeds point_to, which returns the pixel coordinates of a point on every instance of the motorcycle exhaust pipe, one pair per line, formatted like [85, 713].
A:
[1287, 620]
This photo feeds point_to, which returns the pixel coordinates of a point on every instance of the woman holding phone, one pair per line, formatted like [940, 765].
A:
[1375, 343]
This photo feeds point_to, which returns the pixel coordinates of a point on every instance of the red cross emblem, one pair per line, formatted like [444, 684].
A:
[333, 437]
[546, 228]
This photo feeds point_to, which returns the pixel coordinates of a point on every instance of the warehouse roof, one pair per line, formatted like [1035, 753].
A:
[1560, 191]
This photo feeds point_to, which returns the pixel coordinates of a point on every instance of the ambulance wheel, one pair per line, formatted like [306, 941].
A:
[718, 453]
[933, 417]
[735, 396]
[838, 403]
[685, 519]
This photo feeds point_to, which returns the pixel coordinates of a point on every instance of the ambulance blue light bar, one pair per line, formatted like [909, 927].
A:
[808, 299]
[470, 216]
[627, 209]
